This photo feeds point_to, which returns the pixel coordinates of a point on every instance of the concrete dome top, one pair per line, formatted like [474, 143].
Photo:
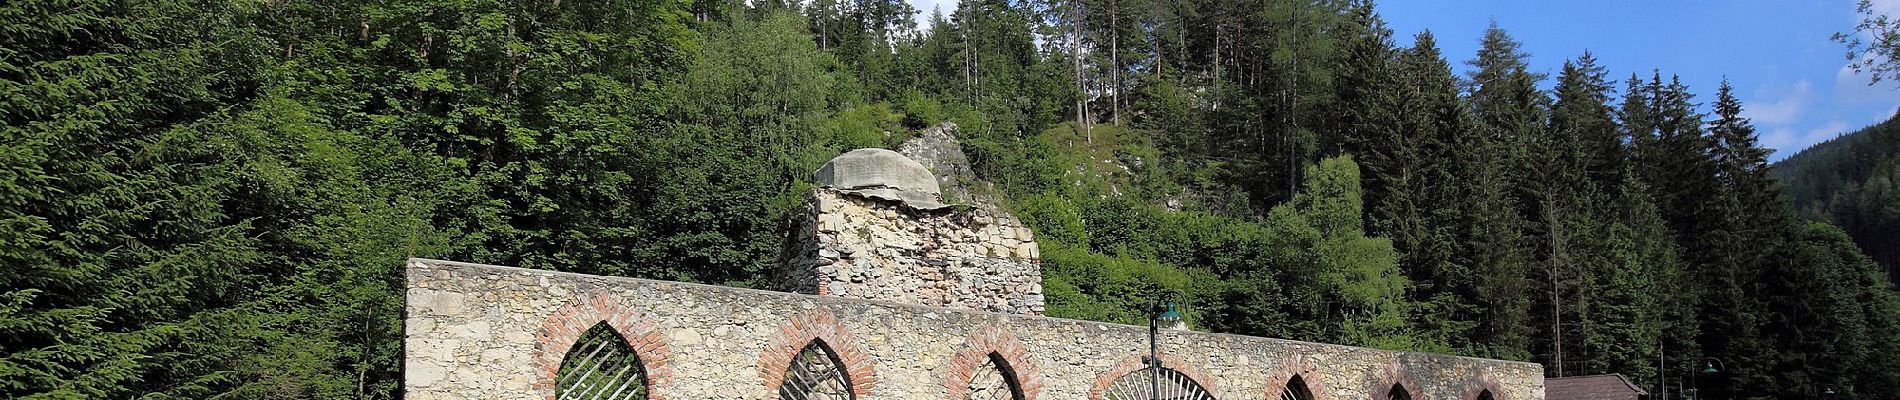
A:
[882, 174]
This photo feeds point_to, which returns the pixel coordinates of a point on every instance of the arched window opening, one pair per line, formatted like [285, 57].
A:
[1485, 395]
[1296, 390]
[600, 366]
[991, 381]
[1398, 393]
[1139, 385]
[815, 374]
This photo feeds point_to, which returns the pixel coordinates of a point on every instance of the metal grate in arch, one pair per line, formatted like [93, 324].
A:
[1174, 386]
[991, 382]
[600, 366]
[815, 374]
[1296, 390]
[1398, 393]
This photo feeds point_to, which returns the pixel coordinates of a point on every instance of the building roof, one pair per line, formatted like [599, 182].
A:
[1592, 387]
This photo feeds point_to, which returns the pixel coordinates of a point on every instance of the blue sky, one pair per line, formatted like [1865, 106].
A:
[1776, 53]
[1791, 78]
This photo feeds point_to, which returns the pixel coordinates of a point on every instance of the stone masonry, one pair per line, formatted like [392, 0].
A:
[868, 239]
[489, 332]
[909, 298]
[864, 248]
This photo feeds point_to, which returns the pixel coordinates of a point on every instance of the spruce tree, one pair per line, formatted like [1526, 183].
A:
[1363, 115]
[1568, 228]
[1509, 112]
[118, 251]
[1584, 116]
[1419, 210]
[1633, 308]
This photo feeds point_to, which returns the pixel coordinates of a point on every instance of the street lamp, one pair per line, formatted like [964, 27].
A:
[1163, 309]
[1708, 367]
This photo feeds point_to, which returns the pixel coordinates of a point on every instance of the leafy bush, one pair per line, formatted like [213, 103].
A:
[871, 125]
[921, 111]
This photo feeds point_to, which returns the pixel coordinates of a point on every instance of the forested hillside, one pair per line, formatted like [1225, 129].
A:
[212, 199]
[1853, 181]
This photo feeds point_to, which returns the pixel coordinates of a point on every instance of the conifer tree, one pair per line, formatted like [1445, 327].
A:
[1637, 124]
[1568, 227]
[1366, 122]
[1633, 309]
[1743, 163]
[117, 248]
[207, 199]
[1508, 111]
[1676, 162]
[1582, 112]
[1419, 211]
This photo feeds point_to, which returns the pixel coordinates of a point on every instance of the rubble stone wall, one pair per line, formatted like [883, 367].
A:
[488, 332]
[864, 248]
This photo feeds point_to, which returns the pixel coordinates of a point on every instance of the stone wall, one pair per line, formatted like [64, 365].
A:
[487, 332]
[864, 248]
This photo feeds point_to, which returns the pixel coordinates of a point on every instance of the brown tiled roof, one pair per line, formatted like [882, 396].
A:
[1592, 387]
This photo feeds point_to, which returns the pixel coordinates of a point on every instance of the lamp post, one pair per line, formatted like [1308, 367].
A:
[1163, 309]
[1708, 367]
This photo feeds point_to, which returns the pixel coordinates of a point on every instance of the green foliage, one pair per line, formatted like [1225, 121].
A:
[1104, 258]
[1089, 285]
[921, 110]
[865, 126]
[207, 199]
[1834, 302]
[1361, 271]
[1852, 181]
[1056, 218]
[1873, 46]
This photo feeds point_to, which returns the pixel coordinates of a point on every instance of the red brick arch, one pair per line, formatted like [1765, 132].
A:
[978, 348]
[823, 327]
[1479, 384]
[1395, 375]
[1135, 362]
[565, 326]
[1297, 365]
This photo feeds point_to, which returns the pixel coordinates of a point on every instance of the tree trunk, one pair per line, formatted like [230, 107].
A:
[1115, 63]
[1556, 288]
[1081, 87]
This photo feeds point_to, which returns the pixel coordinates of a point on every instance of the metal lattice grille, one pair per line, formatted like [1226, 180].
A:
[1174, 386]
[814, 375]
[1398, 393]
[1296, 390]
[990, 382]
[601, 366]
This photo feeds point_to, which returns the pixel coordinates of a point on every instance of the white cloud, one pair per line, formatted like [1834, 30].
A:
[1887, 7]
[1829, 131]
[1787, 141]
[1781, 106]
[1852, 87]
[1890, 8]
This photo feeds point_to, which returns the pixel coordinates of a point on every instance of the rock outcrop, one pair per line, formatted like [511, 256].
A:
[937, 149]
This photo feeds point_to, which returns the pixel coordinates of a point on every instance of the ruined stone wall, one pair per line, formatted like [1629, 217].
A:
[864, 248]
[486, 332]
